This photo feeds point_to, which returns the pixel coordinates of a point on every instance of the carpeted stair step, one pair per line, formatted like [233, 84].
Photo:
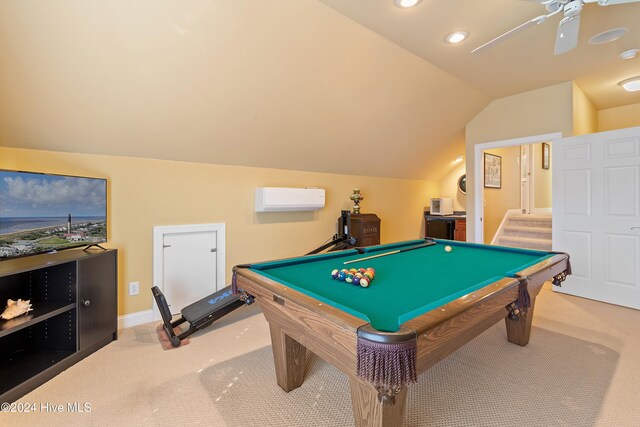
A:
[528, 232]
[526, 243]
[543, 221]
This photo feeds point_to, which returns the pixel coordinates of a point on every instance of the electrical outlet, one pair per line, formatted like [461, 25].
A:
[134, 288]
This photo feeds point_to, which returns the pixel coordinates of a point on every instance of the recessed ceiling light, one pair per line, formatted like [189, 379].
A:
[407, 3]
[457, 37]
[631, 85]
[459, 159]
[608, 36]
[629, 54]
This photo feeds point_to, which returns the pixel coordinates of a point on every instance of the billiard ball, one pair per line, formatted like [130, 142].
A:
[349, 278]
[447, 248]
[335, 273]
[342, 275]
[368, 275]
[356, 280]
[364, 282]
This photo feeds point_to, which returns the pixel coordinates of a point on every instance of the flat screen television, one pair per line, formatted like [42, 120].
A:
[44, 212]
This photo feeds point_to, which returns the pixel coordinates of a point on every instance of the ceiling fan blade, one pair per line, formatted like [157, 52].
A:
[537, 20]
[611, 2]
[567, 37]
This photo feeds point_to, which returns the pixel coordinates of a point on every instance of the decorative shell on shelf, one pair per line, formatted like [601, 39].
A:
[15, 309]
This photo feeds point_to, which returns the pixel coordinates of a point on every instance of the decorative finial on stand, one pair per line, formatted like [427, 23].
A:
[356, 197]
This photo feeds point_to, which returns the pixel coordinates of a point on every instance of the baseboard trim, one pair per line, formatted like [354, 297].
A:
[135, 319]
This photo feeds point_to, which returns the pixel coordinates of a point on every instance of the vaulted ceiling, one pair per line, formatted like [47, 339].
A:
[522, 62]
[360, 87]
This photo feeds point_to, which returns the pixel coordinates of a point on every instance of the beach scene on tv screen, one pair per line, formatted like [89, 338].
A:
[44, 213]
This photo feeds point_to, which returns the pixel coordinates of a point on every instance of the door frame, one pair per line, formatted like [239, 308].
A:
[158, 259]
[478, 174]
[530, 169]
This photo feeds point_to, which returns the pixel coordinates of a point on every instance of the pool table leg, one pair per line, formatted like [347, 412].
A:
[369, 412]
[289, 357]
[519, 330]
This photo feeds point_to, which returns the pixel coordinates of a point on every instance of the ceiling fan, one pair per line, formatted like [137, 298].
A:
[568, 28]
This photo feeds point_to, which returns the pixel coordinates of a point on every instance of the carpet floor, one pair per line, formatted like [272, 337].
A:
[580, 369]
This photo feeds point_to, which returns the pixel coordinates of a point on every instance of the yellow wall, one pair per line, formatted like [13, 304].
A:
[499, 200]
[448, 187]
[619, 117]
[537, 112]
[585, 115]
[542, 184]
[144, 193]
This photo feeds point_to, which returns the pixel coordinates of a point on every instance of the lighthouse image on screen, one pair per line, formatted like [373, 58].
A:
[44, 213]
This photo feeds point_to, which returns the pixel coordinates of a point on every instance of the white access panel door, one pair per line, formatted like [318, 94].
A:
[596, 214]
[189, 267]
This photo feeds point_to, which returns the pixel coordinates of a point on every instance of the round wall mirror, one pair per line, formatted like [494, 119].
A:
[462, 184]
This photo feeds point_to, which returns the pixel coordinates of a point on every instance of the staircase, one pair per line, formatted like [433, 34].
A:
[529, 231]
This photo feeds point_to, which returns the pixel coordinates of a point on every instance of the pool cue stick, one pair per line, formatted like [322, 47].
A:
[372, 256]
[397, 251]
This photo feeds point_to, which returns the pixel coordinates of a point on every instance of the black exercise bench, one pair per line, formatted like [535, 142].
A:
[200, 314]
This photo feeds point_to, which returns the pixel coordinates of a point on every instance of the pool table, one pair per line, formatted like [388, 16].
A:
[428, 298]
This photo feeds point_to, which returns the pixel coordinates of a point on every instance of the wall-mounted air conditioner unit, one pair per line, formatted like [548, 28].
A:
[277, 199]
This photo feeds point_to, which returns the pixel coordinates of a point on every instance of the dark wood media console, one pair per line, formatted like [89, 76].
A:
[74, 298]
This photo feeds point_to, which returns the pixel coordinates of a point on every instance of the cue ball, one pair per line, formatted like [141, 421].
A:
[447, 248]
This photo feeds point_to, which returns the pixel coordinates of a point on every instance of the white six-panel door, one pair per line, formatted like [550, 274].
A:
[596, 214]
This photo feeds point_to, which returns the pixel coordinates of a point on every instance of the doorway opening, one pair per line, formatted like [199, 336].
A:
[514, 190]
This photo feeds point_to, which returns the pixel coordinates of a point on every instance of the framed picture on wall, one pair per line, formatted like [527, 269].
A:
[546, 155]
[492, 171]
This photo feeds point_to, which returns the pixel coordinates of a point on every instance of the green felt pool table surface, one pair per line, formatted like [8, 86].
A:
[406, 284]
